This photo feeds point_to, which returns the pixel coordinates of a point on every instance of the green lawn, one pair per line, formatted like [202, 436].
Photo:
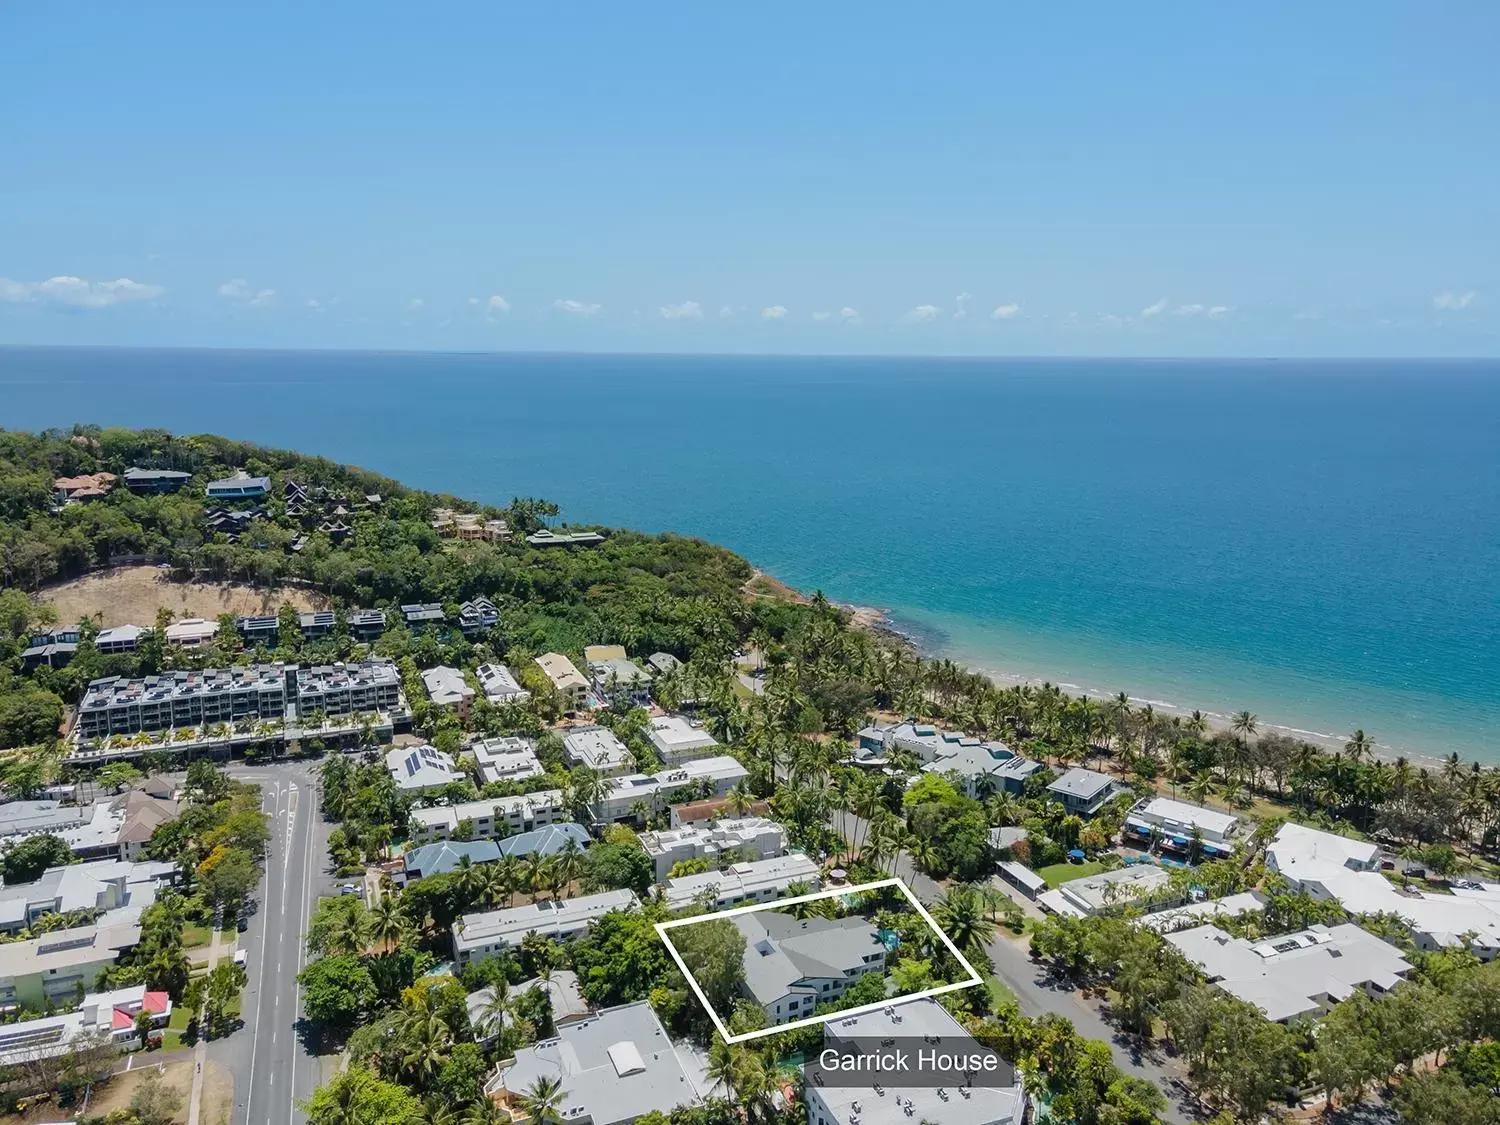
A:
[1059, 873]
[999, 993]
[194, 935]
[179, 1018]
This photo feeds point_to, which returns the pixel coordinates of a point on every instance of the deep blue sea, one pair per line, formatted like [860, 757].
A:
[1317, 542]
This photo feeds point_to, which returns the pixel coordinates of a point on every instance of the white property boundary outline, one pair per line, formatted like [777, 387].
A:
[837, 892]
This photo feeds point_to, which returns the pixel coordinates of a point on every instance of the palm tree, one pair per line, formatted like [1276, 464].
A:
[492, 1014]
[533, 874]
[388, 924]
[484, 1112]
[511, 874]
[1245, 725]
[961, 915]
[466, 879]
[428, 1042]
[542, 1101]
[1359, 746]
[347, 932]
[569, 862]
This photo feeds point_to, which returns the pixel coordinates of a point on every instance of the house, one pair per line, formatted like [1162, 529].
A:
[446, 856]
[319, 623]
[979, 765]
[500, 685]
[447, 688]
[794, 964]
[1083, 792]
[1295, 975]
[239, 485]
[121, 890]
[506, 759]
[477, 936]
[712, 777]
[101, 1018]
[679, 739]
[58, 967]
[154, 482]
[91, 486]
[663, 662]
[420, 769]
[469, 527]
[366, 624]
[259, 630]
[423, 615]
[141, 815]
[550, 538]
[561, 986]
[598, 749]
[191, 632]
[567, 680]
[1176, 825]
[745, 838]
[478, 615]
[621, 681]
[120, 638]
[46, 649]
[1197, 913]
[490, 816]
[612, 1069]
[995, 1097]
[761, 880]
[1144, 885]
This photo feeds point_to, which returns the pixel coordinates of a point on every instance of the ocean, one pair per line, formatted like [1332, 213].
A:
[1316, 542]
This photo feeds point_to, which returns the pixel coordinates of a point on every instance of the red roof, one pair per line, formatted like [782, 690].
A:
[157, 1002]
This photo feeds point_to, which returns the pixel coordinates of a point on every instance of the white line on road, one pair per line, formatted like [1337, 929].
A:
[260, 1000]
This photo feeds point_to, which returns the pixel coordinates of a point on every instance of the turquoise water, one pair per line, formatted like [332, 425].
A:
[1317, 542]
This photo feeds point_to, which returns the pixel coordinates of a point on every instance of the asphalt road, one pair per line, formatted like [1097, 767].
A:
[274, 1069]
[1037, 994]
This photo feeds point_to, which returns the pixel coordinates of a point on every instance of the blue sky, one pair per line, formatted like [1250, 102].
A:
[1171, 179]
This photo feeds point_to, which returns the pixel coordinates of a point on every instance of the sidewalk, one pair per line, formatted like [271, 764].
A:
[200, 1049]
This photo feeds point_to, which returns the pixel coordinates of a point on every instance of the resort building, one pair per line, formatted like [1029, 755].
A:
[500, 685]
[612, 1069]
[679, 739]
[1082, 791]
[52, 969]
[155, 482]
[1295, 975]
[448, 855]
[506, 759]
[477, 936]
[747, 838]
[54, 649]
[340, 690]
[115, 705]
[239, 485]
[713, 808]
[490, 816]
[994, 1099]
[366, 624]
[566, 679]
[978, 764]
[448, 689]
[598, 749]
[122, 890]
[317, 623]
[761, 880]
[262, 630]
[421, 769]
[620, 680]
[469, 527]
[1198, 913]
[1176, 825]
[191, 632]
[1143, 885]
[792, 965]
[711, 777]
[91, 486]
[422, 616]
[120, 638]
[561, 987]
[663, 662]
[477, 616]
[549, 538]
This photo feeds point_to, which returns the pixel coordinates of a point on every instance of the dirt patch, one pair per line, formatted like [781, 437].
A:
[131, 595]
[115, 1093]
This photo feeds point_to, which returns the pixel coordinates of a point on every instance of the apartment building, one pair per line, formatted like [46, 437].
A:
[447, 688]
[705, 777]
[566, 679]
[746, 838]
[506, 759]
[679, 739]
[596, 748]
[477, 936]
[489, 816]
[794, 964]
[58, 967]
[500, 686]
[115, 705]
[762, 880]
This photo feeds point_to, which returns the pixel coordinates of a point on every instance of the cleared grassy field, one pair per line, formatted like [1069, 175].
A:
[131, 595]
[1059, 873]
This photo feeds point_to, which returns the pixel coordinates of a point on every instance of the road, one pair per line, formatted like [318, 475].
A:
[1038, 994]
[273, 1068]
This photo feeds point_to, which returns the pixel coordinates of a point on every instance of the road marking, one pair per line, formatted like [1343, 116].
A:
[260, 1002]
[301, 957]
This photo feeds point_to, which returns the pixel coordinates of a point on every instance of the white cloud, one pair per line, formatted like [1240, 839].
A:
[236, 289]
[473, 300]
[961, 306]
[725, 311]
[849, 316]
[687, 310]
[577, 308]
[922, 314]
[1006, 312]
[77, 293]
[1189, 310]
[775, 312]
[314, 305]
[497, 304]
[1452, 302]
[1156, 309]
[263, 299]
[1217, 311]
[415, 304]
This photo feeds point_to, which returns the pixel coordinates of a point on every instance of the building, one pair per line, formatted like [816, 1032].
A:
[1082, 791]
[712, 808]
[792, 965]
[679, 739]
[170, 700]
[1295, 975]
[140, 814]
[154, 482]
[447, 688]
[90, 486]
[506, 759]
[120, 638]
[346, 689]
[477, 615]
[549, 538]
[612, 1069]
[421, 769]
[746, 838]
[101, 1018]
[761, 880]
[1023, 878]
[469, 527]
[424, 615]
[567, 680]
[239, 485]
[122, 890]
[598, 749]
[500, 686]
[59, 967]
[997, 1100]
[448, 855]
[1175, 825]
[490, 816]
[1197, 913]
[477, 936]
[705, 777]
[561, 987]
[366, 624]
[317, 623]
[1144, 885]
[621, 681]
[262, 630]
[979, 765]
[663, 662]
[191, 632]
[54, 648]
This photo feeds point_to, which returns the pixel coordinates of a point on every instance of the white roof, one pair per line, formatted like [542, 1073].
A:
[1079, 782]
[1165, 810]
[1113, 888]
[499, 683]
[446, 686]
[550, 799]
[744, 879]
[1197, 913]
[548, 917]
[595, 747]
[1296, 843]
[191, 628]
[674, 734]
[415, 768]
[561, 671]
